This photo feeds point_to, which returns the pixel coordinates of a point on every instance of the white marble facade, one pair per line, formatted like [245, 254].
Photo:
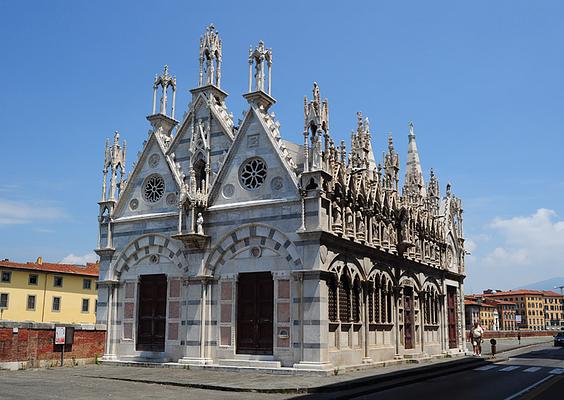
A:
[361, 272]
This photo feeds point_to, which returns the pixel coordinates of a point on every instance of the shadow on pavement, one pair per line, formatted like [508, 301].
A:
[375, 383]
[547, 354]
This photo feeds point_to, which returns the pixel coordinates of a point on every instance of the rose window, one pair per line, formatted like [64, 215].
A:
[253, 173]
[154, 188]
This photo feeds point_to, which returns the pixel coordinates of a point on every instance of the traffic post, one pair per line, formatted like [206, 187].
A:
[493, 343]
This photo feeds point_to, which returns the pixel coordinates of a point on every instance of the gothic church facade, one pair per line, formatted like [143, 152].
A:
[228, 245]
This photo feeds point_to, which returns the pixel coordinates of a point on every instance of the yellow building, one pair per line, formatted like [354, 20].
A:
[45, 292]
[530, 306]
[553, 310]
[487, 318]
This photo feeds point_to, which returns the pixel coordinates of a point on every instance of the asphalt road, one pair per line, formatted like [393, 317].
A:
[538, 374]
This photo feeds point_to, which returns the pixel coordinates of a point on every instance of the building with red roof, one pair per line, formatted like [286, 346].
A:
[48, 292]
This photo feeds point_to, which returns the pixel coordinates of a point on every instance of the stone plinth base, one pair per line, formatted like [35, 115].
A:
[310, 365]
[195, 361]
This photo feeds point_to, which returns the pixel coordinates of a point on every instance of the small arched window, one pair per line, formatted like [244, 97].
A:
[356, 293]
[345, 297]
[333, 298]
[200, 170]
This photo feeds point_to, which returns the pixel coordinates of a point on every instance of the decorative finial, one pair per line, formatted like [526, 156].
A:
[390, 142]
[316, 96]
[411, 133]
[359, 122]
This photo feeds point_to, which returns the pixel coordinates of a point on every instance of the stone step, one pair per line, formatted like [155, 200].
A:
[249, 363]
[415, 356]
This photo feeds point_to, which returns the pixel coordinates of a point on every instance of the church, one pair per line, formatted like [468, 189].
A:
[228, 245]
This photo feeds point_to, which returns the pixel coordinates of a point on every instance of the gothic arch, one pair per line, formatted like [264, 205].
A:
[432, 283]
[147, 245]
[407, 276]
[249, 235]
[350, 263]
[382, 271]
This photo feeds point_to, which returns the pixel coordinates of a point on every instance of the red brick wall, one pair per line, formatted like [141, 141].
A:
[513, 334]
[32, 344]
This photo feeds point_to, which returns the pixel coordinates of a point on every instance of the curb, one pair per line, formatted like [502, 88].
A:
[405, 376]
[356, 387]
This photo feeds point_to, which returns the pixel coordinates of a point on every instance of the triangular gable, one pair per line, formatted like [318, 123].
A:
[153, 161]
[200, 101]
[254, 140]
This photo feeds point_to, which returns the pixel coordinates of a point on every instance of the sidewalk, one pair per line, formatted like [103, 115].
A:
[248, 381]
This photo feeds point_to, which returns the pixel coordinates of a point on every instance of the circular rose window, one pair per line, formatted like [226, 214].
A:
[154, 188]
[253, 173]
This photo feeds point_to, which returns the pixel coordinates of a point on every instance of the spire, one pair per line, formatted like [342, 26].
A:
[414, 185]
[362, 144]
[114, 163]
[210, 58]
[261, 59]
[161, 121]
[433, 194]
[164, 81]
[316, 129]
[391, 166]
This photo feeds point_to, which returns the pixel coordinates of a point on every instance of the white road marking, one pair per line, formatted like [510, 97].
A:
[510, 368]
[485, 368]
[532, 369]
[557, 371]
[529, 388]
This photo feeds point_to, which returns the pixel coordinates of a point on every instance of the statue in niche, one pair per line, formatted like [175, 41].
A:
[404, 222]
[337, 222]
[360, 225]
[375, 231]
[349, 219]
[183, 195]
[316, 162]
[392, 234]
[200, 224]
[259, 78]
[163, 102]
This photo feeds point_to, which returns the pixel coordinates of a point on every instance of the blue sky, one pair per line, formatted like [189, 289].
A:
[483, 82]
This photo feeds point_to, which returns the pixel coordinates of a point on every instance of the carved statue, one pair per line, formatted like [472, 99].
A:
[349, 219]
[375, 231]
[200, 224]
[316, 162]
[360, 224]
[337, 222]
[183, 195]
[403, 221]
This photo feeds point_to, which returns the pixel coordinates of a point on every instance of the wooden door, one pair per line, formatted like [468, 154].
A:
[451, 315]
[151, 321]
[408, 318]
[255, 313]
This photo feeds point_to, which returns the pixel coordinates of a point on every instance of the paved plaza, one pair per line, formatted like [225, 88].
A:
[115, 382]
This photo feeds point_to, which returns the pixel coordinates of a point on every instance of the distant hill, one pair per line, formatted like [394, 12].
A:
[547, 284]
